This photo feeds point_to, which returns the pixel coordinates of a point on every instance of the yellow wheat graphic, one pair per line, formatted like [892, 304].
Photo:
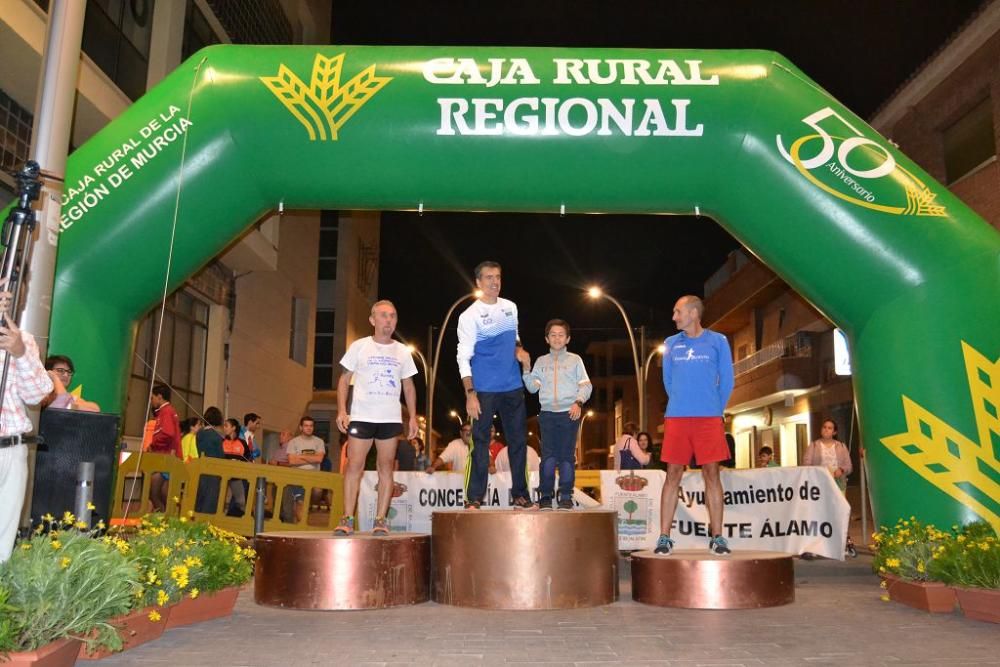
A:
[965, 470]
[920, 201]
[324, 105]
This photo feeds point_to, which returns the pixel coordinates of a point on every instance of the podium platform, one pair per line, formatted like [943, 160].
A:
[511, 559]
[309, 570]
[696, 579]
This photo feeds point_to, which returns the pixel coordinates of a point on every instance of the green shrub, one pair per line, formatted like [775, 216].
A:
[969, 558]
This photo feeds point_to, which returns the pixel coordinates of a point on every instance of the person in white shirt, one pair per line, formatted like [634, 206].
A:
[456, 454]
[381, 368]
[502, 463]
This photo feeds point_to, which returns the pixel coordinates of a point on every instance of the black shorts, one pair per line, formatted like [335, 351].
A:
[370, 431]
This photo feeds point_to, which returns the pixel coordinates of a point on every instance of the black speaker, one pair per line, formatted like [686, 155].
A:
[70, 437]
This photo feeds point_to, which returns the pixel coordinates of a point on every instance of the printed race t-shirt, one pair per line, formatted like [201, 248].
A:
[378, 371]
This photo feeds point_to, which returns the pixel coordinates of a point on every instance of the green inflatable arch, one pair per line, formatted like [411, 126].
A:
[884, 251]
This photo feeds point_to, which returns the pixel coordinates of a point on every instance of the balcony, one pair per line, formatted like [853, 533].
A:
[786, 366]
[736, 289]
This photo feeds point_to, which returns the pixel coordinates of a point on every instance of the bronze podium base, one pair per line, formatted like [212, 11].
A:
[297, 570]
[700, 580]
[508, 559]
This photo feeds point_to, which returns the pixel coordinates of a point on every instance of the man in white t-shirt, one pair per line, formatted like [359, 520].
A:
[381, 368]
[456, 454]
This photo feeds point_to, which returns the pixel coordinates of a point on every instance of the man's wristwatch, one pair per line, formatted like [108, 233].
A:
[579, 403]
[470, 390]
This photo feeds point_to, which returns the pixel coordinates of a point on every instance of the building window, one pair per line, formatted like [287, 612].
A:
[299, 330]
[116, 37]
[969, 142]
[323, 361]
[198, 32]
[15, 133]
[328, 241]
[254, 21]
[181, 365]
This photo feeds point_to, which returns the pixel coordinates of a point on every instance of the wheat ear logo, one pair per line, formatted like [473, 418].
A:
[324, 105]
[965, 470]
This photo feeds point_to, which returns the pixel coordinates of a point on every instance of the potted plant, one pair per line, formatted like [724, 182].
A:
[62, 586]
[902, 557]
[198, 566]
[970, 562]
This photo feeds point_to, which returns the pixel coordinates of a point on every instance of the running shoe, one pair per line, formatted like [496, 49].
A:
[664, 545]
[718, 546]
[545, 504]
[472, 505]
[566, 505]
[522, 503]
[345, 527]
[380, 527]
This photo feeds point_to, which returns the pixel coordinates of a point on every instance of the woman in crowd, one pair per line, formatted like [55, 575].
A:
[628, 454]
[189, 437]
[832, 454]
[422, 460]
[235, 448]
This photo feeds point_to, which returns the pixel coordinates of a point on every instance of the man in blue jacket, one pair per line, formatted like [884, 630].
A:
[698, 377]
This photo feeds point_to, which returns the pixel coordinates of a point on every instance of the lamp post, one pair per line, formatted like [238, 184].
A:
[457, 416]
[427, 375]
[579, 436]
[598, 293]
[432, 375]
[660, 349]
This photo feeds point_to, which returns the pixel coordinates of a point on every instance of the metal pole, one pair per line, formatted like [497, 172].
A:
[635, 355]
[84, 491]
[434, 366]
[258, 506]
[50, 145]
[642, 406]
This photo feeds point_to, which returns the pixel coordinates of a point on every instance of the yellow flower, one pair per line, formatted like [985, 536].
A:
[26, 546]
[177, 500]
[100, 525]
[68, 518]
[984, 546]
[184, 519]
[154, 616]
[194, 593]
[161, 597]
[192, 561]
[920, 566]
[883, 584]
[80, 525]
[91, 506]
[960, 538]
[48, 518]
[164, 552]
[56, 544]
[64, 563]
[884, 598]
[892, 562]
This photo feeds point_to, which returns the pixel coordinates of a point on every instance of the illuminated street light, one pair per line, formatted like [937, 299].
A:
[597, 293]
[660, 349]
[457, 416]
[579, 436]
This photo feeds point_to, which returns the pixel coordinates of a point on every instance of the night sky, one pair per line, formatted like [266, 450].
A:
[860, 52]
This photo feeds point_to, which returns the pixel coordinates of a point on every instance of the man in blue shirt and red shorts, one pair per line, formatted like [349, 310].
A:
[698, 377]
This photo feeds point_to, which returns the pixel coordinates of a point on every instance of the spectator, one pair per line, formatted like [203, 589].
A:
[406, 455]
[27, 384]
[835, 457]
[166, 440]
[305, 451]
[421, 461]
[280, 456]
[189, 437]
[236, 449]
[765, 458]
[209, 443]
[61, 370]
[456, 454]
[628, 454]
[502, 463]
[496, 444]
[251, 425]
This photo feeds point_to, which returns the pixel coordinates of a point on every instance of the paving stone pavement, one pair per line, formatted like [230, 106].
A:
[837, 618]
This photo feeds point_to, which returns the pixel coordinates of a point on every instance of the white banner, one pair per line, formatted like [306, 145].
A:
[416, 495]
[786, 509]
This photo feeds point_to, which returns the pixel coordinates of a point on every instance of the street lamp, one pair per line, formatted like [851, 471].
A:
[660, 349]
[458, 417]
[432, 374]
[579, 436]
[427, 376]
[597, 293]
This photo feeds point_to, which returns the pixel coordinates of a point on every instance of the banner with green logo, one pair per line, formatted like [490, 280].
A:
[904, 267]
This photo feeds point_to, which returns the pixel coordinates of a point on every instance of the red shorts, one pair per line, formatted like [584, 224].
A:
[701, 437]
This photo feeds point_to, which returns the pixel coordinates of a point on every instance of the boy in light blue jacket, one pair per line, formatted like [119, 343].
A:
[563, 386]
